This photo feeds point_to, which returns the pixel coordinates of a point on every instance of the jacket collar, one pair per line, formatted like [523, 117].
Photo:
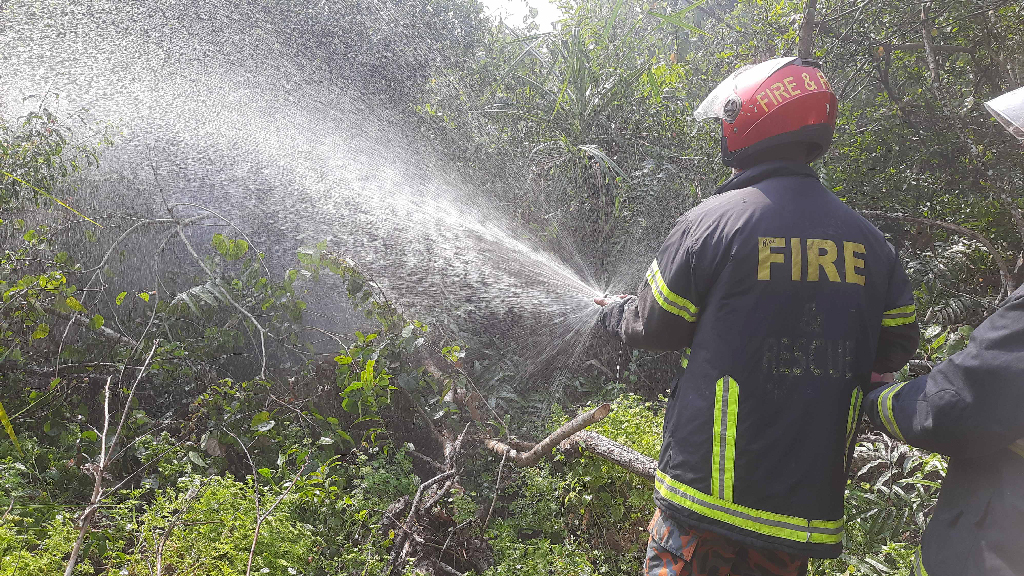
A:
[764, 171]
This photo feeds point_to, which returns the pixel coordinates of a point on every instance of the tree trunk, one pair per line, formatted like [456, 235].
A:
[805, 47]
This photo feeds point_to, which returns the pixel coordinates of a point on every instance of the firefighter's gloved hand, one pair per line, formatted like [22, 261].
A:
[613, 312]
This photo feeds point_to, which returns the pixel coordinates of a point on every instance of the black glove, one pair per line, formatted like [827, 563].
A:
[613, 313]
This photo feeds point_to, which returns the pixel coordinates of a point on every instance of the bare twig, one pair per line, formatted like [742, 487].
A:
[546, 445]
[497, 488]
[85, 521]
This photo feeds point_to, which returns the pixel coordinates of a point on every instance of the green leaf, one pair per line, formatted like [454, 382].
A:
[144, 296]
[120, 298]
[41, 331]
[348, 439]
[96, 323]
[266, 472]
[259, 418]
[236, 249]
[264, 426]
[90, 435]
[220, 244]
[676, 18]
[75, 305]
[10, 429]
[196, 458]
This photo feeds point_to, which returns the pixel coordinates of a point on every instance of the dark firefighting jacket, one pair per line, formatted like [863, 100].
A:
[970, 408]
[783, 300]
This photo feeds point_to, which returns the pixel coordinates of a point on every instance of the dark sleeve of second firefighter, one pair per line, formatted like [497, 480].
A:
[663, 314]
[970, 405]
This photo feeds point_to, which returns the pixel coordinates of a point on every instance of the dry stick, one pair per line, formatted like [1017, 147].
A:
[397, 551]
[97, 489]
[1004, 271]
[98, 470]
[448, 569]
[497, 488]
[613, 452]
[546, 445]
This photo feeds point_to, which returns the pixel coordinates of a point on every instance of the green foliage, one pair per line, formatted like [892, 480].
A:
[888, 501]
[208, 524]
[38, 154]
[538, 557]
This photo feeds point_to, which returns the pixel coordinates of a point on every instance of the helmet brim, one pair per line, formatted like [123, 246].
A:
[1008, 109]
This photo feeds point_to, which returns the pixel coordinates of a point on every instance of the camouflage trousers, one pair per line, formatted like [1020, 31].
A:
[677, 551]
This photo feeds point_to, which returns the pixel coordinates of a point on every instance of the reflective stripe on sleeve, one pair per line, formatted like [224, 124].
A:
[767, 523]
[723, 452]
[1018, 447]
[853, 417]
[668, 299]
[919, 563]
[899, 316]
[885, 410]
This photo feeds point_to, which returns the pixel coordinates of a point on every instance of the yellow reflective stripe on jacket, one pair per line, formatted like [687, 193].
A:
[899, 316]
[885, 410]
[723, 452]
[919, 563]
[668, 299]
[767, 523]
[1018, 447]
[853, 418]
[685, 360]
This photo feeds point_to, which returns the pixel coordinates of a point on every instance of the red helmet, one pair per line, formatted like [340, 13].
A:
[777, 103]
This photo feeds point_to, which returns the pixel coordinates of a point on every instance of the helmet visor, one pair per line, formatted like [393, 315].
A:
[714, 105]
[1009, 110]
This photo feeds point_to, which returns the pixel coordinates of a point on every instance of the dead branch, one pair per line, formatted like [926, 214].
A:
[400, 547]
[497, 487]
[612, 451]
[1004, 269]
[929, 48]
[227, 296]
[98, 470]
[546, 445]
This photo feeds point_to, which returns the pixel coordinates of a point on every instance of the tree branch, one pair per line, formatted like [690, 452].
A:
[805, 46]
[613, 452]
[1004, 270]
[546, 445]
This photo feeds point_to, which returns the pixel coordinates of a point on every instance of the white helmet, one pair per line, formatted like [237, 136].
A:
[1009, 110]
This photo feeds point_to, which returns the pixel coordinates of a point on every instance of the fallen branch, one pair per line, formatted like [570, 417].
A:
[546, 445]
[612, 451]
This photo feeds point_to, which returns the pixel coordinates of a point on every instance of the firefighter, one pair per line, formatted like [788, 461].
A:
[971, 408]
[783, 301]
